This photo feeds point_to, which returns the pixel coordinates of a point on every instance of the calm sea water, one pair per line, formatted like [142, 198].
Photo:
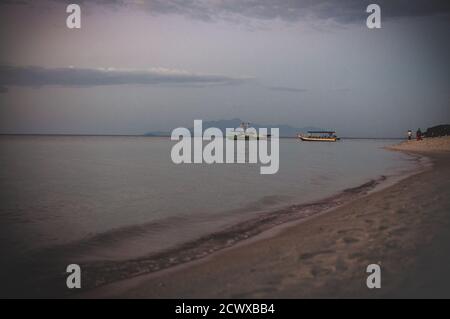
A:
[122, 197]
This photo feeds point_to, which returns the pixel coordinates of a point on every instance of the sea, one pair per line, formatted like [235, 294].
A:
[113, 199]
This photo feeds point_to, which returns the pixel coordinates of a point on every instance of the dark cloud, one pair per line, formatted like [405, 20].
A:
[344, 11]
[287, 89]
[32, 76]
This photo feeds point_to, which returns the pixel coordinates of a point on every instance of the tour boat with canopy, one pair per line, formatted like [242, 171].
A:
[319, 136]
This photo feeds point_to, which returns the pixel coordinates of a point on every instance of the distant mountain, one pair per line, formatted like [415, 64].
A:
[285, 130]
[157, 133]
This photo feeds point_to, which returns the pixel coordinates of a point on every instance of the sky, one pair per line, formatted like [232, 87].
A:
[154, 65]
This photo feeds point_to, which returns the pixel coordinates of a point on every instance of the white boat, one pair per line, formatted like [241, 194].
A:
[244, 133]
[319, 136]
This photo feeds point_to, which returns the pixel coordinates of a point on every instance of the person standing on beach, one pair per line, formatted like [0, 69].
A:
[409, 135]
[419, 135]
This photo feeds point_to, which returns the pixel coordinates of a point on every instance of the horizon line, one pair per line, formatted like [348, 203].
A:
[153, 136]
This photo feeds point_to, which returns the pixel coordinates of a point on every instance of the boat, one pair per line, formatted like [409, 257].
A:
[243, 133]
[319, 136]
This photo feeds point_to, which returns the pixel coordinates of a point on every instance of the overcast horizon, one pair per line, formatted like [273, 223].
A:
[139, 66]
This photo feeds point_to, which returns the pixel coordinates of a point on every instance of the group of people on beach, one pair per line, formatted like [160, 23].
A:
[418, 135]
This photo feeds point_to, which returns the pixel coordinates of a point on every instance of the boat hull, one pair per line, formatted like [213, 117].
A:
[318, 139]
[247, 137]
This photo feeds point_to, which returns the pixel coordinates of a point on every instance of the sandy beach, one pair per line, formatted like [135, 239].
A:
[405, 228]
[429, 145]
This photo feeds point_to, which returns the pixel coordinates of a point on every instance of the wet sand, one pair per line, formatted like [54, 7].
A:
[405, 228]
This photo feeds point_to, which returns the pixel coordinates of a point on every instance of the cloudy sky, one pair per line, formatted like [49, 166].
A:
[144, 65]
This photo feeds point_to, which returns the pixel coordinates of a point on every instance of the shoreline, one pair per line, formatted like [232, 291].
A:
[138, 285]
[264, 225]
[46, 264]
